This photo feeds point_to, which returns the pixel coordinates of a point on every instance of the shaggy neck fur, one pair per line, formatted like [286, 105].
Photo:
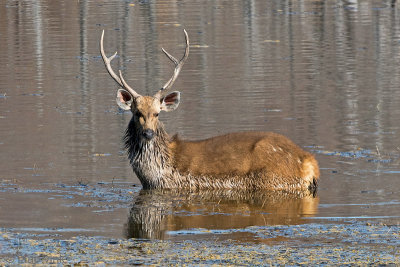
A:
[150, 159]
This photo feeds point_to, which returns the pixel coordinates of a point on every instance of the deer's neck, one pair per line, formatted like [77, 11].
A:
[150, 159]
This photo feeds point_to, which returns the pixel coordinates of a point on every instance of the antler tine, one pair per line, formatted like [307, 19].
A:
[178, 67]
[107, 62]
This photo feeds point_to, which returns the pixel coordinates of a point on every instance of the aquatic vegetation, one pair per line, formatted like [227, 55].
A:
[311, 244]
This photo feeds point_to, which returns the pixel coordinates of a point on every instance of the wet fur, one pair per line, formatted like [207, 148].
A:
[247, 160]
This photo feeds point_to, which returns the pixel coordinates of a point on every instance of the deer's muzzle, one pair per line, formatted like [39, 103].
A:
[148, 134]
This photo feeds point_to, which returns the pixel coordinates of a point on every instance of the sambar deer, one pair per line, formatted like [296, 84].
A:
[243, 160]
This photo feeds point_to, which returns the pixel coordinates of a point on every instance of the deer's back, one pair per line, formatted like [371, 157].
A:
[242, 154]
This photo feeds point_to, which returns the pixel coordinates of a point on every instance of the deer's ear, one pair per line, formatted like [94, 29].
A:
[124, 99]
[171, 101]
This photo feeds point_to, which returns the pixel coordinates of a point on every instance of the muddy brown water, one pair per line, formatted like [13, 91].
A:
[324, 73]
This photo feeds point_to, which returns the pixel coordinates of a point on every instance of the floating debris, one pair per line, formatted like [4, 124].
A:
[369, 155]
[102, 154]
[271, 41]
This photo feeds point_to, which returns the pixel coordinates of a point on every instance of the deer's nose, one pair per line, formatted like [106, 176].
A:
[148, 134]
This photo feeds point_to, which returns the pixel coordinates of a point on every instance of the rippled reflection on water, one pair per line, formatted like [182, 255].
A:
[165, 214]
[324, 73]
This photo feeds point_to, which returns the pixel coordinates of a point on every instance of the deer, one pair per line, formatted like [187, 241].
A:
[246, 160]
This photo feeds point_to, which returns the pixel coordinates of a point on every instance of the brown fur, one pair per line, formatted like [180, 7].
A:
[269, 155]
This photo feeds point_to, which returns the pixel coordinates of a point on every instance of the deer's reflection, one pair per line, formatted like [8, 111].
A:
[155, 212]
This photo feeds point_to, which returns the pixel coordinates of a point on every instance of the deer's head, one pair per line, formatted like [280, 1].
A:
[145, 109]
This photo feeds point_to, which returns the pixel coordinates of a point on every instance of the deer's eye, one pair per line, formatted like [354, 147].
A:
[155, 114]
[138, 114]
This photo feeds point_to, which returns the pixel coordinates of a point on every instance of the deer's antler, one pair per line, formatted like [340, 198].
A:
[119, 79]
[178, 66]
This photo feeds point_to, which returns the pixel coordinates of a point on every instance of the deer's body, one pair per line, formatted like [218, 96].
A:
[245, 160]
